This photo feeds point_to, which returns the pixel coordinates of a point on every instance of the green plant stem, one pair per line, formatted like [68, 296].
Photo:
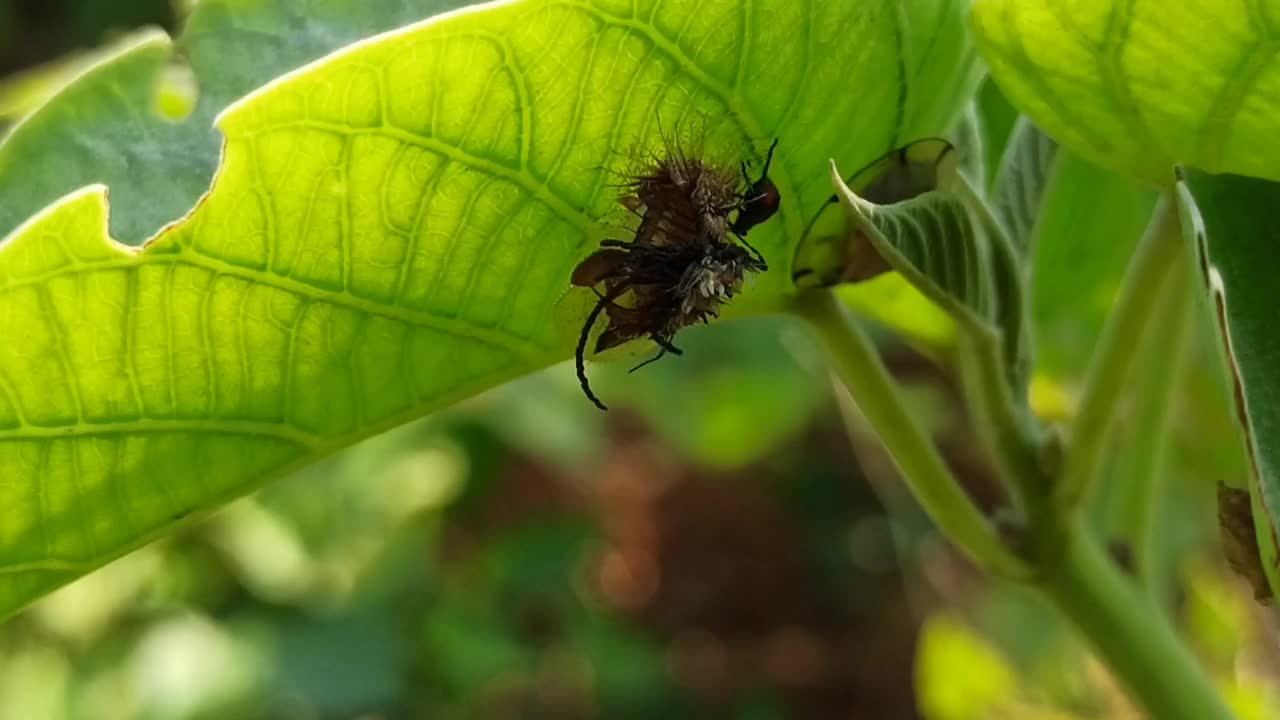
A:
[1009, 435]
[1132, 507]
[931, 481]
[1113, 358]
[1123, 625]
[1128, 632]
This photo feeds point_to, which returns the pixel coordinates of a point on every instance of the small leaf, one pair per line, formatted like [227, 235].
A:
[970, 144]
[391, 229]
[1138, 86]
[933, 241]
[1229, 221]
[829, 254]
[1020, 184]
[955, 257]
[832, 251]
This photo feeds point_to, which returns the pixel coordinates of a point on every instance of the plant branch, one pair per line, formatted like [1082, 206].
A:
[1112, 359]
[1129, 509]
[1008, 432]
[931, 481]
[1128, 632]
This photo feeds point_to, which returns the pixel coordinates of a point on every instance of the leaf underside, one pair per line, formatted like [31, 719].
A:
[1019, 187]
[1229, 221]
[392, 229]
[1139, 85]
[941, 245]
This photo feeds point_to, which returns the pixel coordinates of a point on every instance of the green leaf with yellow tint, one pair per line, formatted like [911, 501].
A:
[392, 229]
[1139, 85]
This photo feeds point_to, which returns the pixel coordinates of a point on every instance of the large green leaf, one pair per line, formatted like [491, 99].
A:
[393, 228]
[1229, 219]
[1139, 85]
[109, 125]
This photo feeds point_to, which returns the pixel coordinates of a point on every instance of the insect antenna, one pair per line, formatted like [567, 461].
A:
[768, 160]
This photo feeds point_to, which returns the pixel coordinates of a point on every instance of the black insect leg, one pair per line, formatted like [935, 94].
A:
[667, 346]
[764, 266]
[655, 358]
[580, 357]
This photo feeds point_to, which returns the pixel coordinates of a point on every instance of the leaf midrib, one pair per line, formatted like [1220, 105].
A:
[191, 257]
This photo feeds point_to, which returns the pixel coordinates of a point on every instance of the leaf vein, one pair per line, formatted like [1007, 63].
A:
[1255, 60]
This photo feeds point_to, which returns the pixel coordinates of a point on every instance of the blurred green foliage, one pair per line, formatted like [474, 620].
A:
[33, 32]
[43, 43]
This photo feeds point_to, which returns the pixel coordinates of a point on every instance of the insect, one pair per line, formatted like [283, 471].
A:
[682, 264]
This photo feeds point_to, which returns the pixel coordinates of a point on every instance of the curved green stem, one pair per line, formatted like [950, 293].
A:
[1112, 359]
[1128, 631]
[1010, 435]
[860, 368]
[1129, 509]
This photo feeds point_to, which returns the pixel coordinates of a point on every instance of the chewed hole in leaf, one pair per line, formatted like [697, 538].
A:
[177, 91]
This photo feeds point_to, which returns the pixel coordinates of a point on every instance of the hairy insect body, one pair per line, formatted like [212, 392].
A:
[682, 265]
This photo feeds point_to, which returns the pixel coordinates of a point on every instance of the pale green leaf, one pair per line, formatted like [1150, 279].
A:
[1139, 85]
[832, 253]
[392, 229]
[933, 241]
[1025, 170]
[955, 256]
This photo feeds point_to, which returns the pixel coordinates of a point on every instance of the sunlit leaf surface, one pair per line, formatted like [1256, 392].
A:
[392, 229]
[1140, 85]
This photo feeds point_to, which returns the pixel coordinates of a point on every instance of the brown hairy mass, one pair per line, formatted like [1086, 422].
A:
[682, 264]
